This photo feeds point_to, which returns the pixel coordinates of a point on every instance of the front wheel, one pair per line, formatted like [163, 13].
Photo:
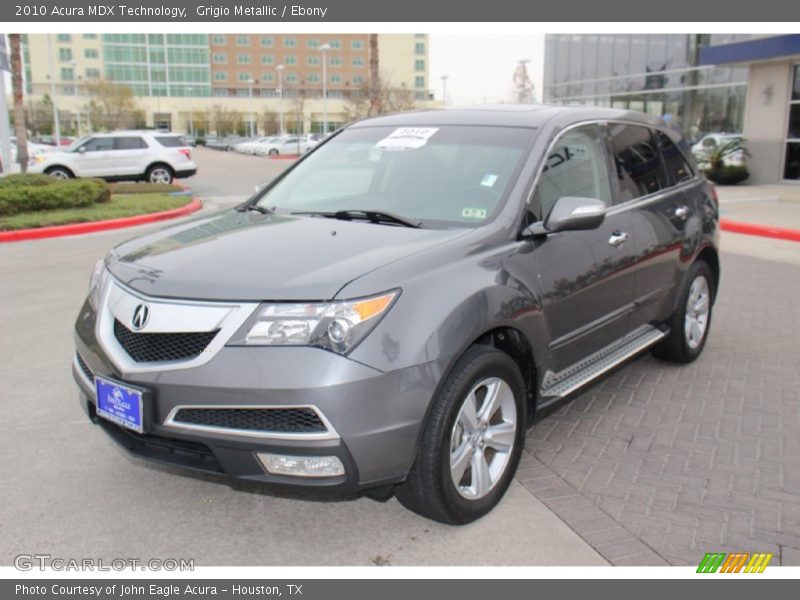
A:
[59, 173]
[159, 174]
[273, 152]
[472, 441]
[690, 323]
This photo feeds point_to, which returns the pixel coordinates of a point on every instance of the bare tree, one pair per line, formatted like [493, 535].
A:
[377, 97]
[523, 92]
[269, 121]
[19, 105]
[374, 76]
[112, 105]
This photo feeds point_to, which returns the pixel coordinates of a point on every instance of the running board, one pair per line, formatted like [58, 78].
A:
[558, 385]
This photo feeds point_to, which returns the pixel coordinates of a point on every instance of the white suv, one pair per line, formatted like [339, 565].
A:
[133, 155]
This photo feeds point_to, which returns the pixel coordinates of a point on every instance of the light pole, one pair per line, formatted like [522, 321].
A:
[280, 68]
[56, 123]
[324, 49]
[444, 88]
[191, 111]
[250, 83]
[74, 64]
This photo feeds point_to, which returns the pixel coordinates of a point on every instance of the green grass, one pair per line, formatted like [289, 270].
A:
[121, 205]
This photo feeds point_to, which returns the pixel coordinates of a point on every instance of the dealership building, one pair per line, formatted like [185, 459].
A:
[702, 83]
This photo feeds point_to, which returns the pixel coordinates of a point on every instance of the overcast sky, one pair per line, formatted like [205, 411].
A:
[481, 67]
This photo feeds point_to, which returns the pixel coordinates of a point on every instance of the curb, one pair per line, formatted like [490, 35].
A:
[779, 233]
[284, 157]
[79, 228]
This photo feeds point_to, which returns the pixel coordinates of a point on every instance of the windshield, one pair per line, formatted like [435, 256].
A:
[447, 175]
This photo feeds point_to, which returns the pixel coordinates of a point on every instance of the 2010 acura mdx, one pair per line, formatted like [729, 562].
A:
[395, 310]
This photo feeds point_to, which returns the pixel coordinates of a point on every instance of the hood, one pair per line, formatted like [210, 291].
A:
[252, 257]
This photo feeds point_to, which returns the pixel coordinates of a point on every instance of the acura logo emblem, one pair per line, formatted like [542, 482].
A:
[140, 317]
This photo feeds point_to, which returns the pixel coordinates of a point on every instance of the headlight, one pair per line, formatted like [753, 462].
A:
[336, 326]
[96, 282]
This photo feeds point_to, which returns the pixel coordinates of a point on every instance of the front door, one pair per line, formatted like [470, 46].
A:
[585, 277]
[95, 158]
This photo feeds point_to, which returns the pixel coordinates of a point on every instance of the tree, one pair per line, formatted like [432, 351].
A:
[40, 116]
[374, 76]
[269, 122]
[112, 105]
[375, 98]
[225, 121]
[19, 106]
[523, 92]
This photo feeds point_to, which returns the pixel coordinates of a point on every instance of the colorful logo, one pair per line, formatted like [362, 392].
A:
[736, 562]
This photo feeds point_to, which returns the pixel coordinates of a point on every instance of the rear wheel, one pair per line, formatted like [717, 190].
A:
[273, 152]
[472, 441]
[690, 323]
[59, 172]
[159, 174]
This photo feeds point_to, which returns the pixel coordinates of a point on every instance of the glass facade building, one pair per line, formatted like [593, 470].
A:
[158, 64]
[654, 73]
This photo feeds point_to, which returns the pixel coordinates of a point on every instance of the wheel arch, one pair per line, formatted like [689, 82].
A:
[710, 256]
[52, 168]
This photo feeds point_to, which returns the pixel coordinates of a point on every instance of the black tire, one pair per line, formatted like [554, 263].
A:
[159, 173]
[59, 173]
[429, 489]
[273, 152]
[676, 346]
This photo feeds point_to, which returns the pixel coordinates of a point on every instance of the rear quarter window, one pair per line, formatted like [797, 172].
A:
[170, 141]
[678, 168]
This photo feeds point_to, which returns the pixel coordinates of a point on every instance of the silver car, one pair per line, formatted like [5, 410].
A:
[394, 311]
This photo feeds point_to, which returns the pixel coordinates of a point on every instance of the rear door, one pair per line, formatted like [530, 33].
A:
[660, 216]
[585, 276]
[130, 155]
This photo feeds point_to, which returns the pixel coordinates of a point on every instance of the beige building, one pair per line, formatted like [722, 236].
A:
[181, 81]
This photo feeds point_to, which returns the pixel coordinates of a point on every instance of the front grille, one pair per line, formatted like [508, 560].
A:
[277, 420]
[84, 367]
[155, 347]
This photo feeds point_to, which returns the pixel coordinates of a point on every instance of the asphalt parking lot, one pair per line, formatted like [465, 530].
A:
[656, 464]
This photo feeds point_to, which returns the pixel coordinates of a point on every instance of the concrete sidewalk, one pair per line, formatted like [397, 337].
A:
[773, 205]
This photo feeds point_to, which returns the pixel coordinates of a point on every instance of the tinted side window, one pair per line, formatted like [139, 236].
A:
[678, 168]
[638, 166]
[576, 166]
[171, 141]
[99, 144]
[129, 143]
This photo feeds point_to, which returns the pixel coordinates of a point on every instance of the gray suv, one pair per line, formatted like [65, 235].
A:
[393, 312]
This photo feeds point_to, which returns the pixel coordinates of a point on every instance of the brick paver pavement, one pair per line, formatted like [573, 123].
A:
[658, 463]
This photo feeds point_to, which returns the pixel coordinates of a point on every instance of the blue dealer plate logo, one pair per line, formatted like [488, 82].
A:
[119, 404]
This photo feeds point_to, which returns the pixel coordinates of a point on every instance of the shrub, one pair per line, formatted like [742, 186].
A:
[144, 188]
[17, 179]
[57, 193]
[728, 175]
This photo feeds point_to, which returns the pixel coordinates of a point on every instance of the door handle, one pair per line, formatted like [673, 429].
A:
[617, 238]
[681, 212]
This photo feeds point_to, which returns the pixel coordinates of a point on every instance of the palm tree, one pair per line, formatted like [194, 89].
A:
[19, 106]
[374, 76]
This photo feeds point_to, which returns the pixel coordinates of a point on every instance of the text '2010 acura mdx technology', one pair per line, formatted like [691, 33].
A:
[394, 311]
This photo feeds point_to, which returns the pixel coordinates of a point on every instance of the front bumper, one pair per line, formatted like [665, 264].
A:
[375, 416]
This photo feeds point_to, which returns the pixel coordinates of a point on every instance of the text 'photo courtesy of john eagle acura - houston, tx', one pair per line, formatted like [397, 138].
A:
[392, 313]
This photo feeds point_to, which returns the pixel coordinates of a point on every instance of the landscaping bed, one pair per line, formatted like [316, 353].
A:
[34, 201]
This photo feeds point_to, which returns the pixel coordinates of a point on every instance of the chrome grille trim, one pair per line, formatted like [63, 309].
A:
[329, 433]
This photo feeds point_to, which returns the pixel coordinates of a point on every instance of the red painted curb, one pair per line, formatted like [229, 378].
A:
[779, 233]
[78, 228]
[284, 157]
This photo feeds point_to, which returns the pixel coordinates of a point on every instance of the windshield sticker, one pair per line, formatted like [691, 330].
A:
[407, 138]
[474, 213]
[489, 180]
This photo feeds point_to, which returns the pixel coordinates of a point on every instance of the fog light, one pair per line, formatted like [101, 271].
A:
[301, 466]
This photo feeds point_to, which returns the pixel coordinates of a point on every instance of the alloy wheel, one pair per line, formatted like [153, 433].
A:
[698, 307]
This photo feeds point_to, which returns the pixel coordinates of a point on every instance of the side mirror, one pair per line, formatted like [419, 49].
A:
[82, 150]
[575, 214]
[570, 214]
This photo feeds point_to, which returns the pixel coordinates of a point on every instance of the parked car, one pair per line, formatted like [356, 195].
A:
[121, 155]
[49, 140]
[285, 145]
[713, 141]
[396, 310]
[189, 139]
[248, 145]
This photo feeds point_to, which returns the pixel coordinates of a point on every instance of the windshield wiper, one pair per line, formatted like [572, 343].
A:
[373, 216]
[255, 207]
